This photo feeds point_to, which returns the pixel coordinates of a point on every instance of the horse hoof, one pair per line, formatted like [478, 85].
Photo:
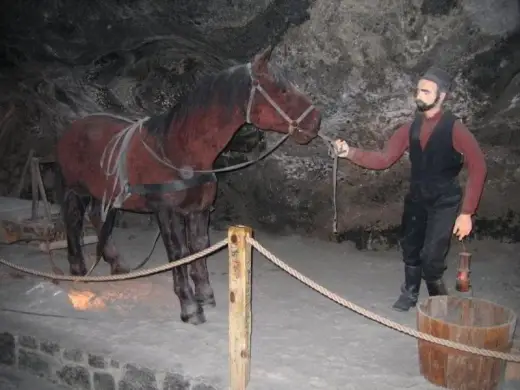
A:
[205, 296]
[119, 270]
[195, 318]
[76, 270]
[335, 237]
[208, 301]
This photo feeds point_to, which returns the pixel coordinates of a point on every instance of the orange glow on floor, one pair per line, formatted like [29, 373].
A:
[85, 300]
[123, 297]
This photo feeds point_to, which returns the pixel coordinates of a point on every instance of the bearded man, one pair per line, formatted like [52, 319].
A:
[439, 145]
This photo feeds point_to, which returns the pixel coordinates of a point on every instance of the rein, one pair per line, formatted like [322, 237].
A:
[329, 142]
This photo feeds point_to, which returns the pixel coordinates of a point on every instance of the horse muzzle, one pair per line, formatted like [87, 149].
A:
[308, 130]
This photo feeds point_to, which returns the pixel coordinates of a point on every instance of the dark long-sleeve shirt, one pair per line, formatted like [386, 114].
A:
[463, 142]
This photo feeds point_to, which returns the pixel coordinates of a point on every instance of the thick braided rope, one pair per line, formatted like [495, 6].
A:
[132, 275]
[375, 317]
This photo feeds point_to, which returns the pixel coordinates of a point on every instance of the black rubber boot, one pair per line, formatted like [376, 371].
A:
[436, 288]
[409, 289]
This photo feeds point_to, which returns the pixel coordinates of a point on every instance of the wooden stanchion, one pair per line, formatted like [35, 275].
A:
[239, 306]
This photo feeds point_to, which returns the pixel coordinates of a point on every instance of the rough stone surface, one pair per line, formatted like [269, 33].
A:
[301, 339]
[175, 382]
[50, 348]
[96, 361]
[357, 60]
[376, 51]
[76, 376]
[7, 349]
[13, 379]
[33, 362]
[51, 361]
[28, 342]
[137, 378]
[104, 381]
[74, 355]
[202, 387]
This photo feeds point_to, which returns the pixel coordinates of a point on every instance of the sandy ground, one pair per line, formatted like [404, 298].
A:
[301, 340]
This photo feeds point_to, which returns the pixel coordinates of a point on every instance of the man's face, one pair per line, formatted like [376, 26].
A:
[428, 96]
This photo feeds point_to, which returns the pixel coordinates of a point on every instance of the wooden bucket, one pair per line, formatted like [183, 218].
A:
[513, 368]
[469, 321]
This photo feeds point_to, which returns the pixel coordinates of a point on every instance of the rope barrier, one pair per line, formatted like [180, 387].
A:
[375, 317]
[131, 275]
[291, 271]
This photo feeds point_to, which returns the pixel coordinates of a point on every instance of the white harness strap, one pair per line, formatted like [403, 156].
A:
[116, 166]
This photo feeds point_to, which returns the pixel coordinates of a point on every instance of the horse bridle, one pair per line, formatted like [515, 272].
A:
[294, 125]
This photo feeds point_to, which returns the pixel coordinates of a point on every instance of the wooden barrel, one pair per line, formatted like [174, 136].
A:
[513, 368]
[469, 321]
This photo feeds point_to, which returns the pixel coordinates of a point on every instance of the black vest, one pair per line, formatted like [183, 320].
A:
[439, 163]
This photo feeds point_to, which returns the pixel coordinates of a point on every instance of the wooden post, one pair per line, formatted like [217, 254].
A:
[239, 306]
[38, 190]
[41, 187]
[26, 168]
[34, 189]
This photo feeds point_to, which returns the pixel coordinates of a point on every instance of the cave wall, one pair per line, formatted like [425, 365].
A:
[60, 60]
[358, 60]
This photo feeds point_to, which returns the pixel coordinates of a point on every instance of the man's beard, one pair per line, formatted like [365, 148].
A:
[423, 106]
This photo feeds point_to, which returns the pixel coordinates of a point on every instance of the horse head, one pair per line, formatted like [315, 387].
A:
[276, 104]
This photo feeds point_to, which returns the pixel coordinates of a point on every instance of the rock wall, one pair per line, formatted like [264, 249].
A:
[81, 370]
[359, 61]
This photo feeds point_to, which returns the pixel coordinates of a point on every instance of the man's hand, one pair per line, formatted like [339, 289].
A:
[341, 148]
[463, 226]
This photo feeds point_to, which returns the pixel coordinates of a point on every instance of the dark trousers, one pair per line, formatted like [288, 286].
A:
[430, 211]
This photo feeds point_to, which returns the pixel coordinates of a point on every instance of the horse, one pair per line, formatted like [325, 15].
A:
[162, 166]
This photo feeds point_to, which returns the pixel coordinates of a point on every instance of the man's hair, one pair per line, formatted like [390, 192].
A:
[440, 77]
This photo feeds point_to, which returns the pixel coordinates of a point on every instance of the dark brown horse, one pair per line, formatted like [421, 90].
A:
[162, 165]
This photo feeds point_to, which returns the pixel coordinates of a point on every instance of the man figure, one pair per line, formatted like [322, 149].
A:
[439, 145]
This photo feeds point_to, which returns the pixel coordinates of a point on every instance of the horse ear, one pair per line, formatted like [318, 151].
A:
[261, 60]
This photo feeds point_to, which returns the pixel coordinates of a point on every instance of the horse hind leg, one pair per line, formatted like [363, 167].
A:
[173, 232]
[73, 210]
[105, 246]
[198, 238]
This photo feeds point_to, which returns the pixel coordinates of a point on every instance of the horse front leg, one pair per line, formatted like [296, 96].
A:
[198, 239]
[173, 231]
[105, 246]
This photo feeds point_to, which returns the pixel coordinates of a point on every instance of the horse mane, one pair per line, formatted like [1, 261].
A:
[229, 87]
